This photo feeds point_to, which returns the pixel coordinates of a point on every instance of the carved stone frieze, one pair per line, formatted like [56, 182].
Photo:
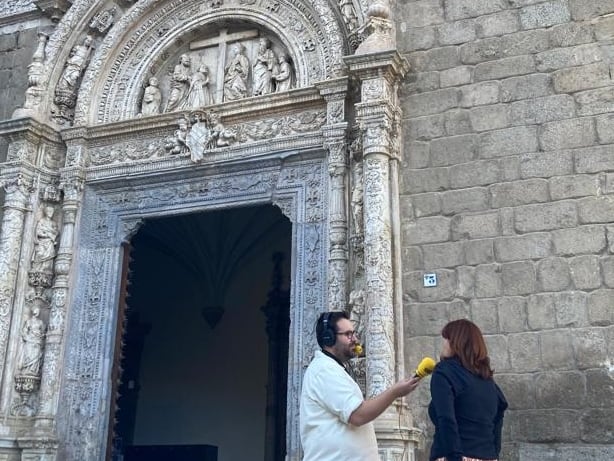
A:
[135, 59]
[14, 7]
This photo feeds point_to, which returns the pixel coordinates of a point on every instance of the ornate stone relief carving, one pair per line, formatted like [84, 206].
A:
[103, 20]
[140, 55]
[297, 186]
[68, 85]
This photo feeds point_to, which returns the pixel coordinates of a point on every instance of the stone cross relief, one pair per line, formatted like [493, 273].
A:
[231, 67]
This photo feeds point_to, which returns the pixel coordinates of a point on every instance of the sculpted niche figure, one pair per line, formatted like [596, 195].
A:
[77, 61]
[199, 94]
[151, 98]
[180, 84]
[235, 75]
[264, 68]
[283, 77]
[33, 337]
[45, 239]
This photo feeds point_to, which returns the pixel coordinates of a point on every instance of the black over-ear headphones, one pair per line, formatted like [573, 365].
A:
[329, 337]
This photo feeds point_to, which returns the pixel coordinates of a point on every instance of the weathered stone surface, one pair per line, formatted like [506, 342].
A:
[479, 173]
[416, 181]
[443, 255]
[517, 140]
[599, 388]
[456, 122]
[540, 110]
[600, 311]
[534, 426]
[478, 225]
[480, 94]
[525, 87]
[456, 76]
[594, 159]
[518, 278]
[426, 204]
[459, 9]
[498, 352]
[570, 34]
[502, 68]
[524, 351]
[560, 58]
[413, 286]
[544, 14]
[454, 149]
[598, 426]
[500, 23]
[532, 246]
[567, 134]
[520, 43]
[512, 314]
[426, 128]
[553, 274]
[488, 282]
[546, 164]
[593, 102]
[518, 193]
[572, 452]
[473, 199]
[484, 312]
[556, 350]
[581, 78]
[423, 13]
[565, 389]
[432, 103]
[585, 272]
[453, 33]
[519, 390]
[595, 210]
[581, 10]
[427, 230]
[487, 118]
[580, 240]
[547, 216]
[590, 347]
[435, 59]
[573, 186]
[479, 251]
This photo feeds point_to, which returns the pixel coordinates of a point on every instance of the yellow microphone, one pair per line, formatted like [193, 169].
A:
[425, 367]
[358, 350]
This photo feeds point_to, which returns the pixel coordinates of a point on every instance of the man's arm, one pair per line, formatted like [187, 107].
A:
[375, 406]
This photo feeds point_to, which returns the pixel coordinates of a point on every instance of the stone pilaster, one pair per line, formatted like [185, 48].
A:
[18, 184]
[378, 116]
[71, 182]
[334, 92]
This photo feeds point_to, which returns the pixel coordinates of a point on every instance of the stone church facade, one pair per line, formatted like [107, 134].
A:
[437, 159]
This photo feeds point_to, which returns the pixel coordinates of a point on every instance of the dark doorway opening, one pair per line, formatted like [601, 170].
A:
[200, 366]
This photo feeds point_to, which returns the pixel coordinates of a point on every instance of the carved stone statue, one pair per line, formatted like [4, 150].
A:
[152, 98]
[349, 14]
[283, 77]
[235, 76]
[199, 94]
[264, 68]
[33, 337]
[45, 240]
[77, 61]
[177, 144]
[223, 136]
[180, 84]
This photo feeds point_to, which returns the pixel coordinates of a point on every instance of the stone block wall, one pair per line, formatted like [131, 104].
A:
[507, 195]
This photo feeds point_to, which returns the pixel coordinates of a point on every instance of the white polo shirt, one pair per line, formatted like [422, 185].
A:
[328, 398]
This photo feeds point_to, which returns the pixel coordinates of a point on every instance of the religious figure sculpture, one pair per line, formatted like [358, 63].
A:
[223, 136]
[264, 68]
[180, 84]
[283, 77]
[357, 311]
[349, 14]
[75, 65]
[235, 76]
[33, 337]
[177, 144]
[199, 94]
[152, 98]
[66, 88]
[45, 239]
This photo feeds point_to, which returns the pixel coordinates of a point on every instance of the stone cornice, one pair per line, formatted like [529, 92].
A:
[371, 65]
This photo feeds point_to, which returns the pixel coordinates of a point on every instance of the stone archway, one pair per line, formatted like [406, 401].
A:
[112, 212]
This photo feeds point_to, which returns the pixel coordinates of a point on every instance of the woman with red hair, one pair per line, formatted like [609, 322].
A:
[466, 405]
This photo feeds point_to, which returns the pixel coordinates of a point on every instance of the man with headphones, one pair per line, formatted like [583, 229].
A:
[335, 420]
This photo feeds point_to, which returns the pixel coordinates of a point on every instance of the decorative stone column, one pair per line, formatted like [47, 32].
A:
[334, 92]
[18, 184]
[72, 183]
[378, 116]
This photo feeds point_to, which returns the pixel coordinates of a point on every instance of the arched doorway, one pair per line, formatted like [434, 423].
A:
[203, 324]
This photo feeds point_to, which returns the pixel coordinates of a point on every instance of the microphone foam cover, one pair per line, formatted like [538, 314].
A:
[425, 367]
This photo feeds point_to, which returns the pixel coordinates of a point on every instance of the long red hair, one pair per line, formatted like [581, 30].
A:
[467, 343]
